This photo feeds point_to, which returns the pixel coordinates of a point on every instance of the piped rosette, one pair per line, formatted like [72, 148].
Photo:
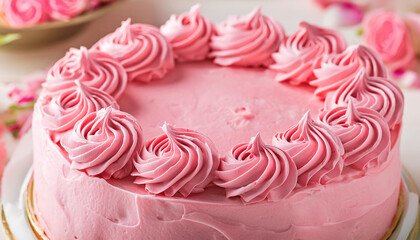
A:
[22, 13]
[256, 171]
[375, 93]
[104, 144]
[143, 51]
[62, 109]
[303, 51]
[246, 40]
[93, 68]
[189, 35]
[364, 133]
[316, 150]
[179, 161]
[339, 68]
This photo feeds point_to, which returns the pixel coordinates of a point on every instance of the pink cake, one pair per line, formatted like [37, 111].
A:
[228, 131]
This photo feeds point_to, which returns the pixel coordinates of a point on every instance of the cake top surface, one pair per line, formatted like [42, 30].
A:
[229, 105]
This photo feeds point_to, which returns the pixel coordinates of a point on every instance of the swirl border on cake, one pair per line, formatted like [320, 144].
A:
[326, 143]
[165, 163]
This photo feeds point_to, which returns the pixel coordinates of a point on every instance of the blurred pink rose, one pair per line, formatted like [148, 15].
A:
[361, 3]
[407, 78]
[22, 13]
[386, 32]
[343, 14]
[67, 9]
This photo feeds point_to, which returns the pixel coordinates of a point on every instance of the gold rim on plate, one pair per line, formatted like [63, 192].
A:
[6, 228]
[412, 186]
[32, 217]
[398, 214]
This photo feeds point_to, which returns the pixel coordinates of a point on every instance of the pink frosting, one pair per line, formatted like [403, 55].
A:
[375, 93]
[246, 40]
[61, 110]
[180, 160]
[189, 35]
[143, 51]
[386, 32]
[303, 51]
[104, 143]
[22, 13]
[66, 9]
[343, 67]
[364, 133]
[316, 150]
[255, 171]
[93, 68]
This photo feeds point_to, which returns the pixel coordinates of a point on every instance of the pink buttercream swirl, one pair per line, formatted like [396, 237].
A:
[143, 51]
[67, 9]
[104, 143]
[316, 150]
[343, 67]
[246, 40]
[255, 171]
[375, 93]
[189, 35]
[180, 160]
[22, 13]
[62, 109]
[364, 133]
[303, 51]
[93, 68]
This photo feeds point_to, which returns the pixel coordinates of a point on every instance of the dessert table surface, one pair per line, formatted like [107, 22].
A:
[14, 65]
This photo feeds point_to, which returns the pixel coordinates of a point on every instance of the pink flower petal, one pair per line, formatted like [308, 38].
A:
[343, 14]
[408, 78]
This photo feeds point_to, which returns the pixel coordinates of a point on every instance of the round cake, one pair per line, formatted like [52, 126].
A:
[228, 131]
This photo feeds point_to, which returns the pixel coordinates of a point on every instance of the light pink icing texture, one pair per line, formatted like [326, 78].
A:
[104, 143]
[66, 9]
[22, 13]
[189, 35]
[228, 105]
[316, 150]
[93, 68]
[180, 160]
[343, 67]
[246, 40]
[301, 52]
[143, 51]
[62, 109]
[364, 133]
[256, 172]
[376, 93]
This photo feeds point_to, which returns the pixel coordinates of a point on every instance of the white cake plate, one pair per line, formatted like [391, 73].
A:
[18, 172]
